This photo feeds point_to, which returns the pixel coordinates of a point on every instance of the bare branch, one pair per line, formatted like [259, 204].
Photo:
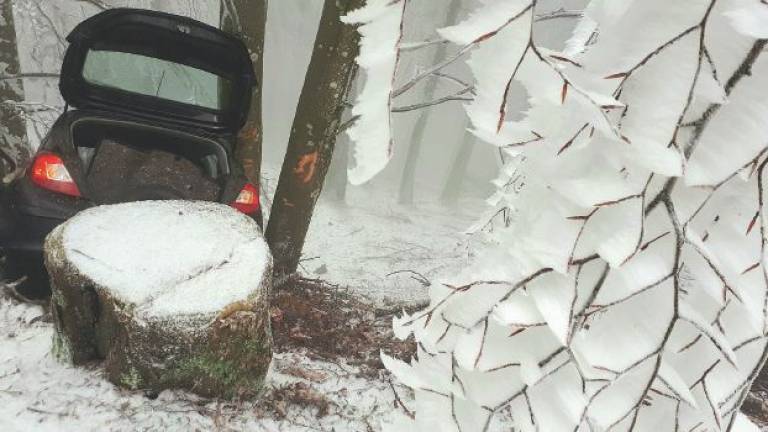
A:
[28, 75]
[453, 97]
[98, 3]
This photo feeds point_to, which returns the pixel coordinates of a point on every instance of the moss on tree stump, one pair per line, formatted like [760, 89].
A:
[169, 294]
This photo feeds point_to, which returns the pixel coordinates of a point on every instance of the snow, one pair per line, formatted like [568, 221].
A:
[360, 244]
[489, 68]
[636, 84]
[166, 257]
[379, 54]
[741, 120]
[491, 17]
[39, 394]
[750, 19]
[354, 245]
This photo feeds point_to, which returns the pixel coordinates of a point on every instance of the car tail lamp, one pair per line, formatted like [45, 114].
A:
[49, 172]
[248, 199]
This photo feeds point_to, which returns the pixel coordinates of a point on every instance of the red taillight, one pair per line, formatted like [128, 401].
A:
[248, 199]
[49, 172]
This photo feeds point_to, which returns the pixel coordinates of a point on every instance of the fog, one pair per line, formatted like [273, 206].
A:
[291, 25]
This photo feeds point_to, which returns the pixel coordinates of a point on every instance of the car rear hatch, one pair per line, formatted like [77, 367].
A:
[159, 66]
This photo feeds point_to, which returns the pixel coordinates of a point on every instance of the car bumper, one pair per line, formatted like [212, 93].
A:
[28, 213]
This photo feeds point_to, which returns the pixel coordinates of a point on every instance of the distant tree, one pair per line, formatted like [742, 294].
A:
[248, 19]
[14, 146]
[336, 183]
[455, 178]
[408, 180]
[314, 133]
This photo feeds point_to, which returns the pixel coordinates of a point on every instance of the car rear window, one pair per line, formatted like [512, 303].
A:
[155, 77]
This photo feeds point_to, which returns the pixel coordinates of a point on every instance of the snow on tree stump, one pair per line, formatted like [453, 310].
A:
[170, 294]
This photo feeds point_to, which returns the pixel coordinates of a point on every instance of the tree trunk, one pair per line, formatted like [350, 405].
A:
[314, 133]
[14, 147]
[453, 183]
[412, 159]
[201, 326]
[248, 19]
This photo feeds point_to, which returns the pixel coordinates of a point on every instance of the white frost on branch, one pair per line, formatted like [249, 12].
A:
[501, 25]
[750, 18]
[381, 31]
[623, 295]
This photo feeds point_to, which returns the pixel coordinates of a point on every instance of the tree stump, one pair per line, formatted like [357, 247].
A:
[169, 294]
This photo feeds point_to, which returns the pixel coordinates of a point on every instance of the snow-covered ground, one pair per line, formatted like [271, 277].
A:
[383, 251]
[355, 246]
[362, 244]
[39, 394]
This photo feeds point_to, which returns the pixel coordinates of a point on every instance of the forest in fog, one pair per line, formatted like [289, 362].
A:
[440, 132]
[384, 215]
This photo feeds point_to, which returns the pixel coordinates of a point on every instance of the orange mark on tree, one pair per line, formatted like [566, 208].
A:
[250, 133]
[305, 169]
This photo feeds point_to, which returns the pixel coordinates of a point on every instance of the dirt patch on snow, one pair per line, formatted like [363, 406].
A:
[330, 324]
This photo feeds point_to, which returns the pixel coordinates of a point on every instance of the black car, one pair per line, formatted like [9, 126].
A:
[154, 105]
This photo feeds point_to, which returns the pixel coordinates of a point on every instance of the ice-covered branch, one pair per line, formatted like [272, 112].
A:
[380, 25]
[630, 289]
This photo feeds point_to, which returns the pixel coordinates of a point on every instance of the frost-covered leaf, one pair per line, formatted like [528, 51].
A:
[716, 337]
[630, 295]
[740, 121]
[403, 371]
[379, 54]
[493, 73]
[469, 415]
[519, 310]
[554, 295]
[485, 21]
[615, 401]
[751, 20]
[744, 424]
[676, 384]
[656, 96]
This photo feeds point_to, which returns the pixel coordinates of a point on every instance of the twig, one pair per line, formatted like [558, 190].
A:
[13, 292]
[28, 75]
[98, 3]
[439, 101]
[399, 402]
[418, 277]
[558, 14]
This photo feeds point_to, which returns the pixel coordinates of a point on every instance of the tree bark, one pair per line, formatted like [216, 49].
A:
[453, 183]
[412, 159]
[248, 20]
[14, 146]
[314, 133]
[213, 352]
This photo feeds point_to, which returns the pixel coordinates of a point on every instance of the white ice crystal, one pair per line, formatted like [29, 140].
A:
[380, 27]
[628, 291]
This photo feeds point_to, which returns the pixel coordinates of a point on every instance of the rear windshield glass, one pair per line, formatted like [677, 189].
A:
[155, 77]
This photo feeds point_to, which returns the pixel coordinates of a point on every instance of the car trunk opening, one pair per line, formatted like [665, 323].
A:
[125, 161]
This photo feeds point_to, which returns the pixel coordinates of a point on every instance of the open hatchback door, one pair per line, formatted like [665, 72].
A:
[158, 66]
